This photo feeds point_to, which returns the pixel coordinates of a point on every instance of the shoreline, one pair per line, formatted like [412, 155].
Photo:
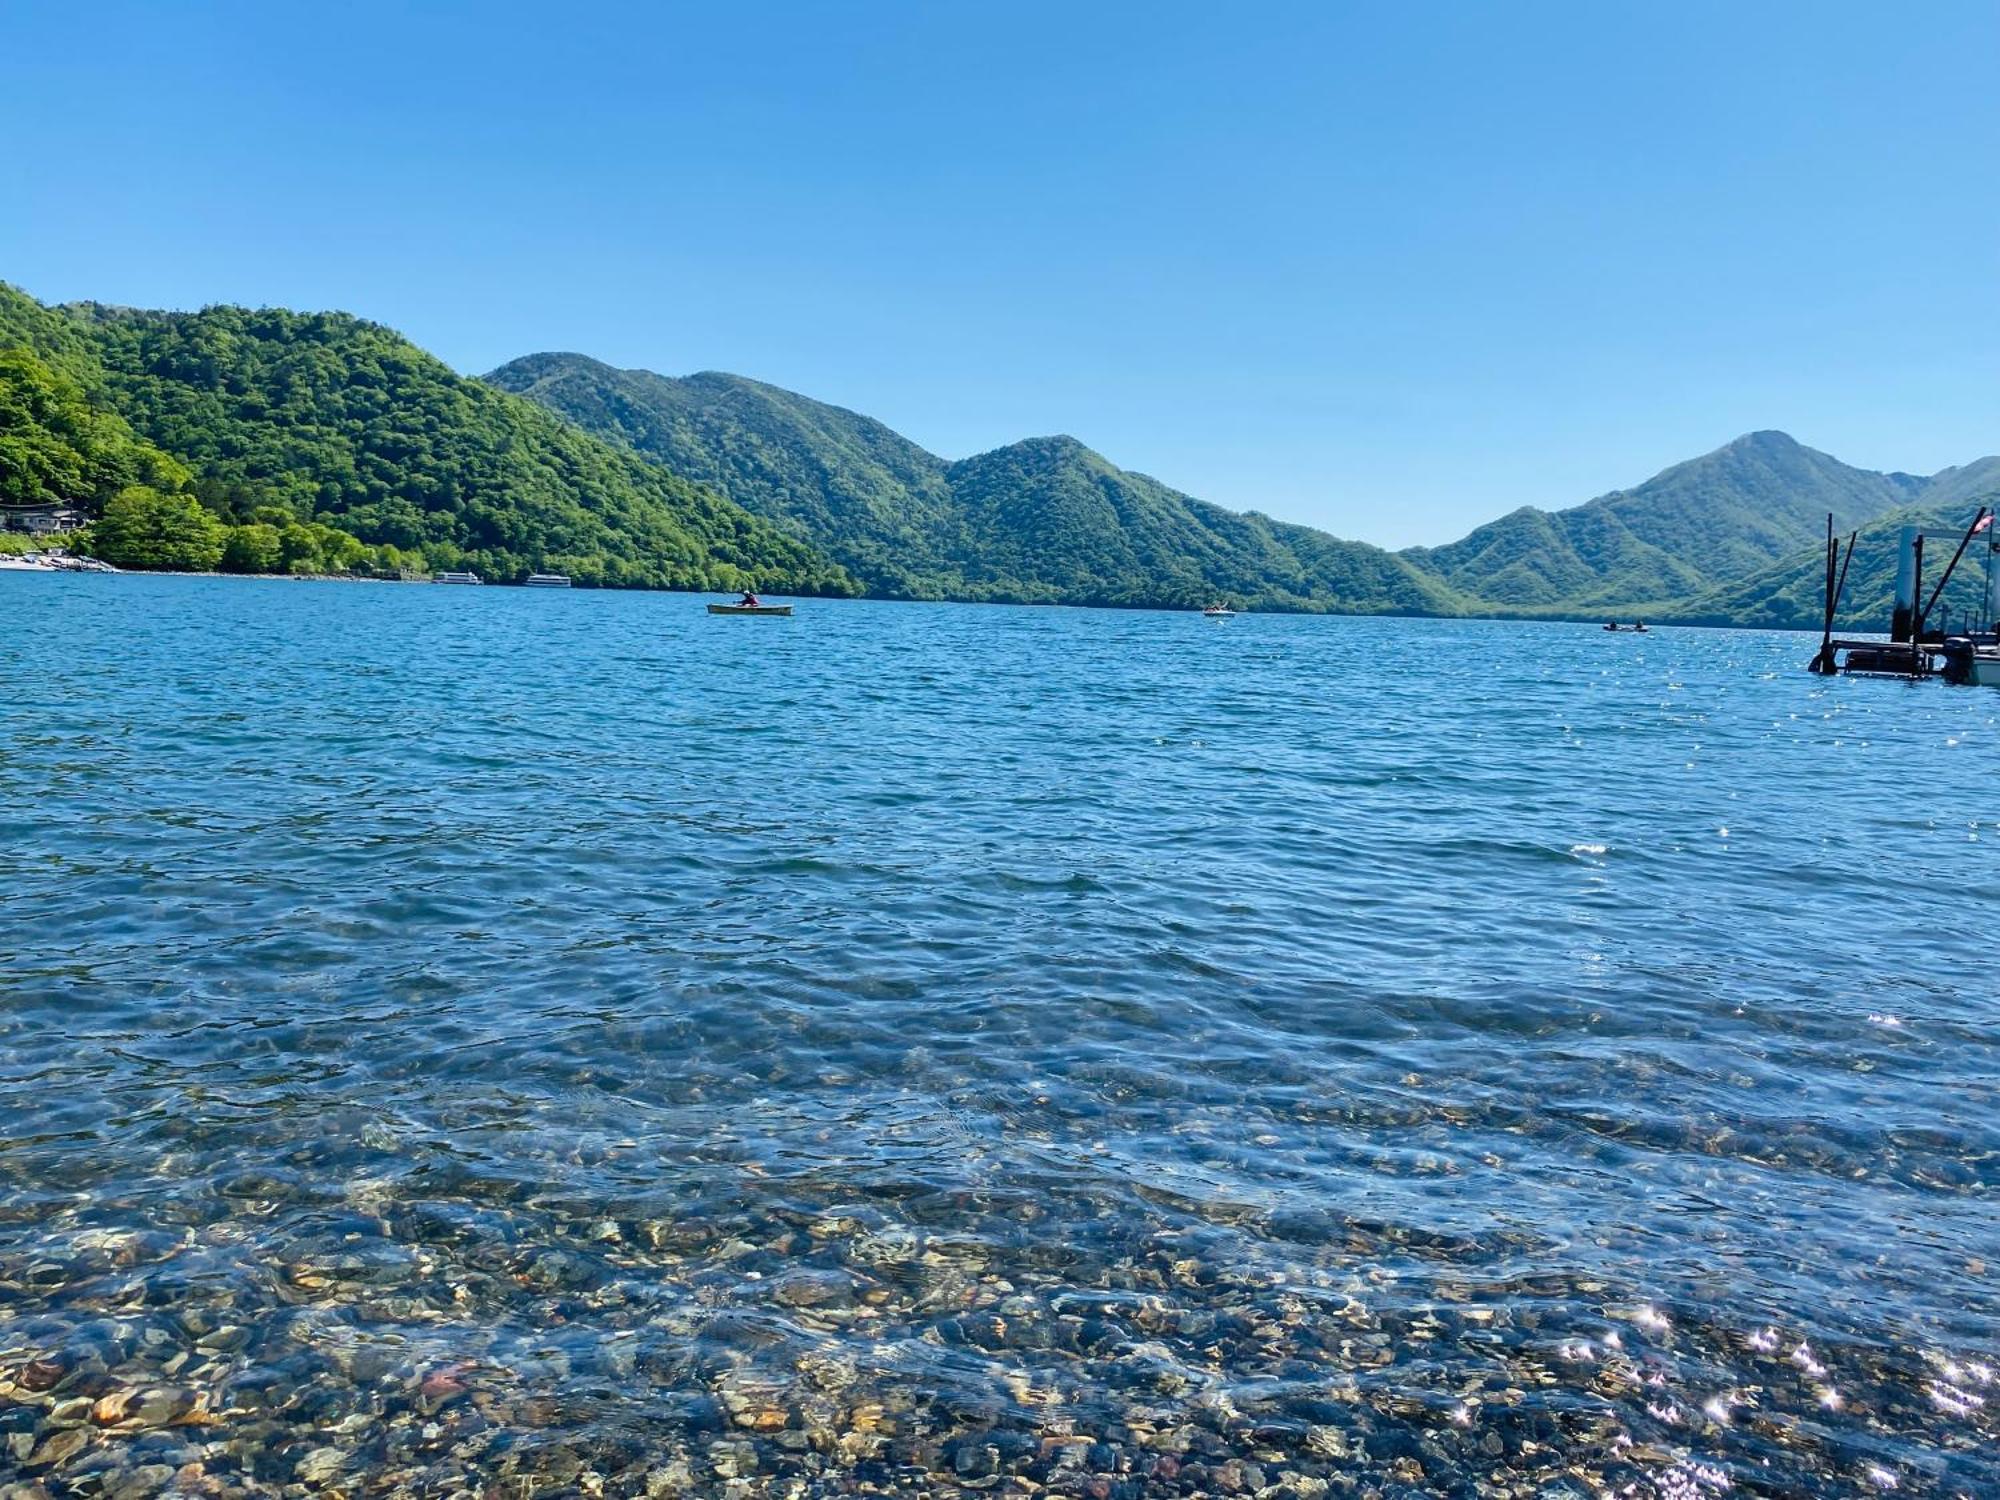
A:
[1657, 622]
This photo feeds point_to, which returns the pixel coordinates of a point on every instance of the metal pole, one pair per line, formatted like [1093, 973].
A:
[1963, 542]
[1823, 663]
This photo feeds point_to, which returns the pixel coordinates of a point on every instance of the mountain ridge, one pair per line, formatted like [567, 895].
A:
[301, 441]
[1073, 528]
[1729, 511]
[1668, 543]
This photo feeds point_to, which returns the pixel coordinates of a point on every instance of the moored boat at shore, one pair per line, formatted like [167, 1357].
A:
[459, 577]
[548, 581]
[1970, 661]
[53, 561]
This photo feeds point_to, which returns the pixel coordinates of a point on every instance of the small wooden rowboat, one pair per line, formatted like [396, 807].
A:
[749, 609]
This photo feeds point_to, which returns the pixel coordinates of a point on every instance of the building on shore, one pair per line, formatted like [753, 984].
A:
[41, 520]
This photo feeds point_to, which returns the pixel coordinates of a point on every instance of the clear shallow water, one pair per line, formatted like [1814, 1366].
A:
[461, 1038]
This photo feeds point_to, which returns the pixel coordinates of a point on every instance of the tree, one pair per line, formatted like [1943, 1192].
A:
[142, 528]
[298, 549]
[252, 549]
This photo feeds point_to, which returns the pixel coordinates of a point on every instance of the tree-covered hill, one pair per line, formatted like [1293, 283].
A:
[1050, 519]
[330, 420]
[278, 441]
[1791, 594]
[1696, 525]
[870, 497]
[1040, 521]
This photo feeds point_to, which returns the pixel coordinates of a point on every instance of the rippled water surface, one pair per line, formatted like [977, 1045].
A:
[512, 1043]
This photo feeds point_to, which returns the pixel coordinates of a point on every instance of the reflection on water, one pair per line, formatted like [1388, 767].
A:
[488, 1042]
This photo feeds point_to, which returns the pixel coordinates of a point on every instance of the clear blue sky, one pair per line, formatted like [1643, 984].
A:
[1392, 269]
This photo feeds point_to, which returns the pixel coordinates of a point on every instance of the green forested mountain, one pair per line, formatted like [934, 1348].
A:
[1791, 593]
[1050, 520]
[1696, 525]
[278, 441]
[872, 498]
[295, 421]
[1040, 521]
[62, 446]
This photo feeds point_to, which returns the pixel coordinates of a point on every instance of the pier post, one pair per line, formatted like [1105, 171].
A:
[1902, 623]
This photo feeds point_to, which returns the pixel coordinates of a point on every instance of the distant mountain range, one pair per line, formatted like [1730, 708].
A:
[1734, 535]
[1041, 521]
[272, 440]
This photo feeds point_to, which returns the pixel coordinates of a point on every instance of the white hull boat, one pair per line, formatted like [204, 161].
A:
[1970, 665]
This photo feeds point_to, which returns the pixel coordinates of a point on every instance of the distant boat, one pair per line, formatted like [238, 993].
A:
[26, 562]
[467, 577]
[548, 580]
[1218, 612]
[749, 609]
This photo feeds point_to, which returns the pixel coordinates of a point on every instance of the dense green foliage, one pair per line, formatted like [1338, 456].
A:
[1698, 524]
[19, 543]
[61, 444]
[58, 448]
[347, 440]
[875, 501]
[1041, 521]
[253, 549]
[143, 528]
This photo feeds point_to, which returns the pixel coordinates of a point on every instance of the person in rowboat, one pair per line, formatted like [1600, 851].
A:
[749, 601]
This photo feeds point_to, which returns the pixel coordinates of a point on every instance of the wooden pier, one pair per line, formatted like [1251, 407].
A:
[1911, 649]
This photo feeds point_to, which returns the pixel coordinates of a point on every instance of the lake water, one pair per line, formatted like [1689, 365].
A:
[480, 1040]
